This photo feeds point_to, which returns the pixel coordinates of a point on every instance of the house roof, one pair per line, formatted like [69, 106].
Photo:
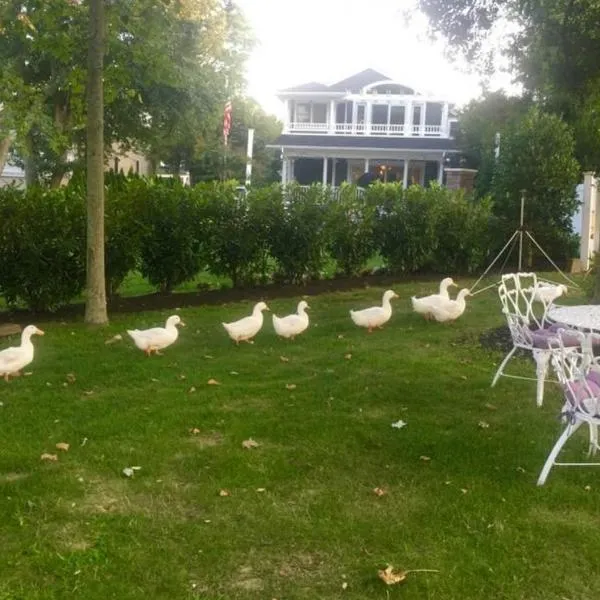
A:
[313, 86]
[356, 82]
[366, 142]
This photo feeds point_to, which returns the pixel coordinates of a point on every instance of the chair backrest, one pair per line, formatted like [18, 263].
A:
[517, 294]
[576, 371]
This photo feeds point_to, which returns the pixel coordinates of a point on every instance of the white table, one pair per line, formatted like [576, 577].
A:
[585, 317]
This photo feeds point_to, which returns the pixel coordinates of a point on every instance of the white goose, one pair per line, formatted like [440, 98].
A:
[451, 309]
[425, 304]
[292, 325]
[548, 293]
[12, 360]
[375, 316]
[157, 338]
[245, 329]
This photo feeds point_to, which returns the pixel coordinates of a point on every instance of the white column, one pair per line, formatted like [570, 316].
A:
[408, 118]
[324, 171]
[366, 165]
[445, 128]
[333, 163]
[441, 171]
[587, 223]
[292, 171]
[332, 116]
[284, 171]
[405, 174]
[348, 172]
[368, 117]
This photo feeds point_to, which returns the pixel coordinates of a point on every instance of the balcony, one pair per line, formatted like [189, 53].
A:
[370, 129]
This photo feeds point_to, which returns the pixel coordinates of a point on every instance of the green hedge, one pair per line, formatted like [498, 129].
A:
[170, 233]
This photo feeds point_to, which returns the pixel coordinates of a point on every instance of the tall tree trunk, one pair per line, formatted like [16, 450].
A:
[5, 144]
[95, 307]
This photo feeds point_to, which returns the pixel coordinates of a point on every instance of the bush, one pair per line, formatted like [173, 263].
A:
[236, 237]
[42, 246]
[171, 234]
[351, 227]
[298, 231]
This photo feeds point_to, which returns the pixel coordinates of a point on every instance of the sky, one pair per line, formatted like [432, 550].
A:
[327, 40]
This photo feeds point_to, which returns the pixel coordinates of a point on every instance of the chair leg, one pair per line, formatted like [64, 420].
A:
[542, 358]
[550, 461]
[502, 365]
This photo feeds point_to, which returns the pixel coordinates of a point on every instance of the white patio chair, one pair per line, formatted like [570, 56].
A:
[528, 330]
[579, 376]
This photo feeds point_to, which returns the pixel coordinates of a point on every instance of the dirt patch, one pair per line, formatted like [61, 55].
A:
[207, 440]
[161, 301]
[69, 538]
[498, 339]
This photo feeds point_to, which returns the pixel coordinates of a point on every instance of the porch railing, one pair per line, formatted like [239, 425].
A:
[373, 129]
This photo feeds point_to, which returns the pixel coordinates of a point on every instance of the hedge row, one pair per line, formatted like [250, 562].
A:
[171, 232]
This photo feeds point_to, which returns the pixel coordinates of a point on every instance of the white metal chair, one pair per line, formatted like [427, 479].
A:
[528, 331]
[579, 376]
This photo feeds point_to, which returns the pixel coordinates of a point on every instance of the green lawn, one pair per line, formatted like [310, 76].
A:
[301, 519]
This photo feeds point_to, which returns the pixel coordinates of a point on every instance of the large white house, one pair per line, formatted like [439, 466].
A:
[365, 124]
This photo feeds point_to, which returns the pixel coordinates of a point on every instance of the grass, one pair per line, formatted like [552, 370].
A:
[77, 528]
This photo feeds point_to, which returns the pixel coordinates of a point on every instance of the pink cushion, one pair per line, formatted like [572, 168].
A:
[577, 392]
[548, 338]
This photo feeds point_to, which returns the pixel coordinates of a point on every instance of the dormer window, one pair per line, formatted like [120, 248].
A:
[311, 112]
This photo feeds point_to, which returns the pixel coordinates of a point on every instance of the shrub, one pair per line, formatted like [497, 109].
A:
[42, 246]
[171, 234]
[298, 232]
[236, 240]
[352, 227]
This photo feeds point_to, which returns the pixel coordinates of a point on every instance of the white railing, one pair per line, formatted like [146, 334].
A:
[374, 129]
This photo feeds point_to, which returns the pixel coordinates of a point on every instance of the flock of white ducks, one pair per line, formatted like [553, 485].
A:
[436, 306]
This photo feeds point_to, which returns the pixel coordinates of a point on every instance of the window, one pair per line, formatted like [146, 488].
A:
[397, 115]
[433, 114]
[379, 115]
[319, 113]
[416, 115]
[303, 113]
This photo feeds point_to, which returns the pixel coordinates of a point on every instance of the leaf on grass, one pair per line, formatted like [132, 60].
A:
[284, 359]
[63, 446]
[250, 443]
[233, 373]
[340, 336]
[49, 457]
[114, 338]
[491, 406]
[129, 471]
[483, 424]
[290, 386]
[88, 392]
[464, 490]
[224, 493]
[344, 585]
[154, 380]
[261, 490]
[424, 458]
[191, 390]
[348, 356]
[208, 356]
[213, 382]
[399, 424]
[194, 431]
[71, 377]
[28, 373]
[391, 577]
[379, 492]
[181, 377]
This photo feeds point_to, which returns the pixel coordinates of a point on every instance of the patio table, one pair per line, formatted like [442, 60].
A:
[584, 317]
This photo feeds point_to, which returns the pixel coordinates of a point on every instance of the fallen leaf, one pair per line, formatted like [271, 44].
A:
[290, 386]
[50, 457]
[399, 424]
[63, 446]
[464, 490]
[520, 469]
[491, 406]
[194, 431]
[84, 442]
[483, 424]
[348, 356]
[154, 380]
[340, 336]
[208, 356]
[213, 382]
[390, 577]
[88, 392]
[224, 493]
[261, 490]
[344, 585]
[587, 488]
[424, 458]
[379, 492]
[463, 377]
[128, 472]
[233, 373]
[284, 359]
[71, 377]
[250, 443]
[114, 338]
[28, 373]
[181, 377]
[191, 390]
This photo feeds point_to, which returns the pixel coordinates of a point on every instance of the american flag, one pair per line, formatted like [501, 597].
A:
[226, 121]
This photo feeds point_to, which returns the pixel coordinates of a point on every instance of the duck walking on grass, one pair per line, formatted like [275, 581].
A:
[13, 359]
[245, 329]
[376, 316]
[157, 338]
[452, 309]
[292, 325]
[424, 305]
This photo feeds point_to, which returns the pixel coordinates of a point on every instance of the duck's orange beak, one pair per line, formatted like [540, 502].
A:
[39, 332]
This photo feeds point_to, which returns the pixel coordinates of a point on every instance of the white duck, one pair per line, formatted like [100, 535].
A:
[451, 309]
[292, 325]
[375, 316]
[245, 329]
[548, 293]
[12, 360]
[157, 338]
[425, 304]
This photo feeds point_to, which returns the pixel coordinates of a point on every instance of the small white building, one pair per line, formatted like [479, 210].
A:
[364, 127]
[12, 175]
